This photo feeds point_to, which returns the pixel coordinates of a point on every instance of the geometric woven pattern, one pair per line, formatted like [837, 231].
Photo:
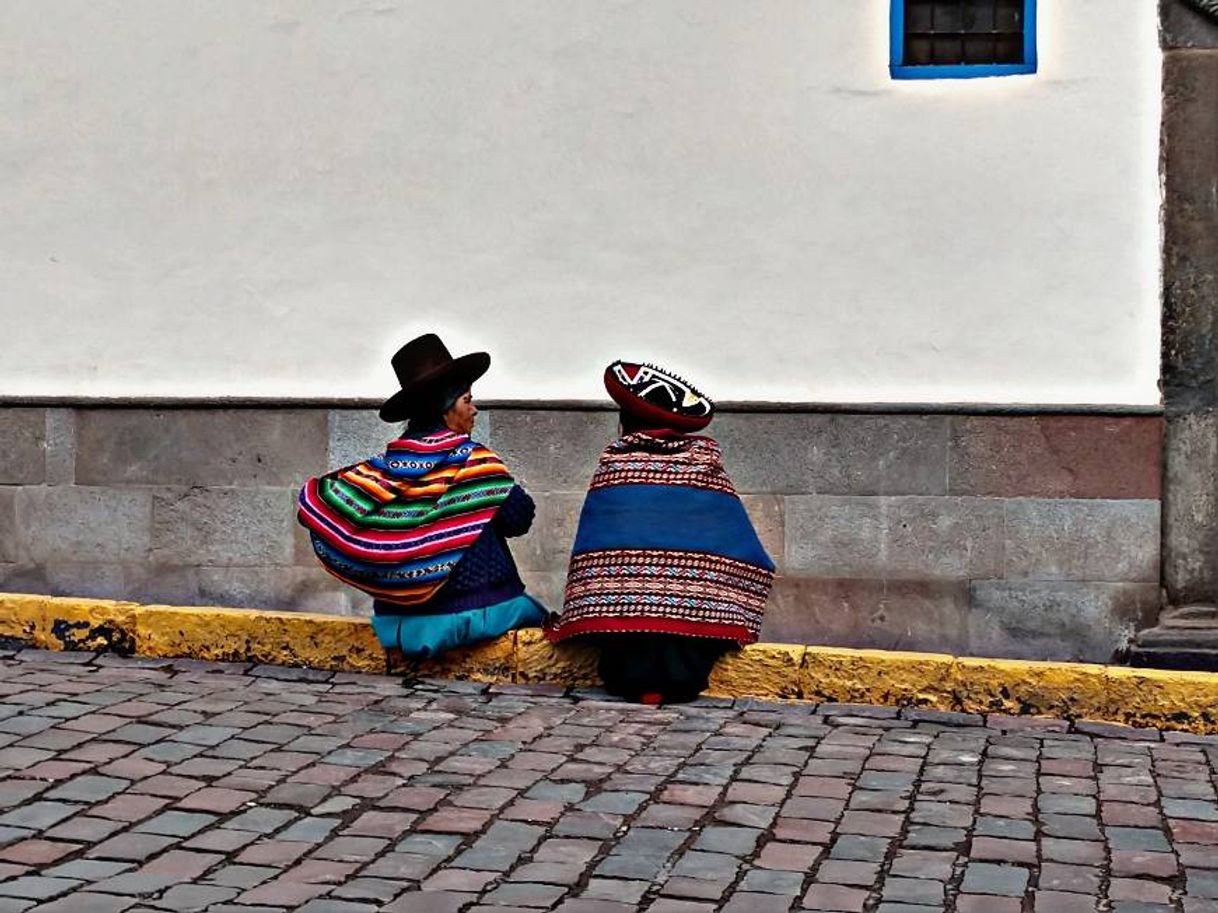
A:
[394, 526]
[665, 546]
[657, 459]
[661, 591]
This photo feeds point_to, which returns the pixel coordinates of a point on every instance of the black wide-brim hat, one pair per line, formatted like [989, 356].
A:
[658, 398]
[427, 371]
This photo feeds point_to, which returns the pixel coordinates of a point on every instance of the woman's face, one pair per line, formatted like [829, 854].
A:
[460, 416]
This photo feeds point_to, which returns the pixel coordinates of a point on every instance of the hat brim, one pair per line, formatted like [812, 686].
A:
[651, 415]
[464, 370]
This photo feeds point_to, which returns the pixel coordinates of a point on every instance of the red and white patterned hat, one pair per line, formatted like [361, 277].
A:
[658, 398]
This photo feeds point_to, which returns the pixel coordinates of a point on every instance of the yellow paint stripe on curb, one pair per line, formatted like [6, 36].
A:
[1137, 697]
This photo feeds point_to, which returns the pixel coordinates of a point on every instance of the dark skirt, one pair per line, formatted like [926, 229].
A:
[663, 668]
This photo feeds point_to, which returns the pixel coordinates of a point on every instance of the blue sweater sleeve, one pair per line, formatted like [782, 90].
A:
[515, 515]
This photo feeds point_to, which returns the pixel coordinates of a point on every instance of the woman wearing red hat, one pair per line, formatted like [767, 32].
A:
[423, 527]
[667, 571]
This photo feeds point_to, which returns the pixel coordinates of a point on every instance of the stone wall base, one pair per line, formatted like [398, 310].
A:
[1030, 536]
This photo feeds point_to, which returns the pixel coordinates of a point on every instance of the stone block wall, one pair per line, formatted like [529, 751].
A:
[1030, 536]
[1189, 165]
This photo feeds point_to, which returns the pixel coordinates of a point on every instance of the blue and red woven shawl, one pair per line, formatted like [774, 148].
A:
[396, 525]
[665, 546]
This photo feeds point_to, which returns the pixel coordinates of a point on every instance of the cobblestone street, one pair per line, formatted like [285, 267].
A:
[176, 785]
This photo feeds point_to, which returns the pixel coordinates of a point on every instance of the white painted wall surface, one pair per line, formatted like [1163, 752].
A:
[224, 197]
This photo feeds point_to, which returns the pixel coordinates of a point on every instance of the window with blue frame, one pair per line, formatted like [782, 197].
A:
[959, 39]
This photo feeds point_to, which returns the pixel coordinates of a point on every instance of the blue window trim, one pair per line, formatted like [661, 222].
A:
[899, 70]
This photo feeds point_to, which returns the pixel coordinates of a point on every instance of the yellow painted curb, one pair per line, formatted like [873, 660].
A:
[878, 677]
[762, 670]
[280, 638]
[538, 661]
[1024, 688]
[1162, 698]
[22, 617]
[1137, 697]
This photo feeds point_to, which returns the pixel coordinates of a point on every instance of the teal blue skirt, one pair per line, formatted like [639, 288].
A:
[423, 636]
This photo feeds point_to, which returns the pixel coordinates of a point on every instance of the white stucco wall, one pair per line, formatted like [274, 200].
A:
[224, 197]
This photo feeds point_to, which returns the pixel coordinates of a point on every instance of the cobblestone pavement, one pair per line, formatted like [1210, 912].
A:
[158, 785]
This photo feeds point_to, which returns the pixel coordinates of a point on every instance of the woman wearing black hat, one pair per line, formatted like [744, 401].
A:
[423, 527]
[667, 571]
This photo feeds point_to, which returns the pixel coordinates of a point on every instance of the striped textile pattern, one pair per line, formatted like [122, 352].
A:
[394, 526]
[665, 546]
[657, 459]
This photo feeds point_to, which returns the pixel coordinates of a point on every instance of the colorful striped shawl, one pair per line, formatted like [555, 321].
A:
[394, 526]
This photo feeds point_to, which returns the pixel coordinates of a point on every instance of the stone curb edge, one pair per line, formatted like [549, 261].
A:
[1134, 697]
